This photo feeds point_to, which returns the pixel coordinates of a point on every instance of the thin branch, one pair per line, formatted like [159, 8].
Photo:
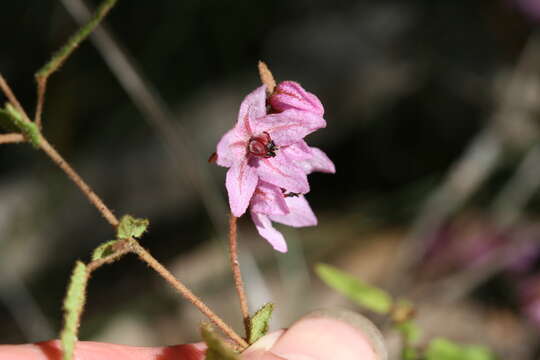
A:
[41, 86]
[81, 184]
[6, 89]
[11, 138]
[156, 112]
[235, 266]
[186, 293]
[94, 265]
[61, 55]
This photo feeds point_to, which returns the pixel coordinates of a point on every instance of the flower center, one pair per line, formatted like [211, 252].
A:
[262, 146]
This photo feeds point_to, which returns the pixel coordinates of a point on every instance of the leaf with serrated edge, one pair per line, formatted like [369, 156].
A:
[259, 322]
[103, 250]
[217, 348]
[73, 307]
[370, 297]
[131, 227]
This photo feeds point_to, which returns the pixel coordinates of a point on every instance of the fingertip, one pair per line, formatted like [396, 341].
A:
[328, 334]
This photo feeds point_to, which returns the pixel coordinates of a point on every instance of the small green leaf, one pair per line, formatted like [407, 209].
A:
[443, 349]
[259, 322]
[103, 250]
[73, 307]
[131, 227]
[12, 120]
[370, 297]
[409, 330]
[217, 348]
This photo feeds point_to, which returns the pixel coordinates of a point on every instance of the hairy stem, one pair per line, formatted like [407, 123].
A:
[81, 184]
[235, 266]
[11, 138]
[186, 293]
[121, 251]
[11, 97]
[65, 51]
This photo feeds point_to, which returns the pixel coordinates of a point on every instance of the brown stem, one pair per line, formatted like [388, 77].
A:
[41, 86]
[11, 97]
[235, 266]
[11, 138]
[186, 293]
[83, 186]
[121, 251]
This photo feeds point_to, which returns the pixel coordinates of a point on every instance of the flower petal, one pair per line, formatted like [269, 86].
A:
[241, 182]
[319, 161]
[230, 149]
[282, 172]
[291, 95]
[267, 231]
[290, 126]
[253, 107]
[300, 214]
[268, 199]
[299, 151]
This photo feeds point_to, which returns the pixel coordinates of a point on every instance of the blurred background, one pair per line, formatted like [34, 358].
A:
[433, 121]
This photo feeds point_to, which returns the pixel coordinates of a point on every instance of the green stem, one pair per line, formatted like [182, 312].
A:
[65, 51]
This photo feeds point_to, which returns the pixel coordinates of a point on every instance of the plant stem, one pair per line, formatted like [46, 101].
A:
[65, 51]
[11, 97]
[11, 138]
[93, 265]
[235, 266]
[186, 293]
[81, 184]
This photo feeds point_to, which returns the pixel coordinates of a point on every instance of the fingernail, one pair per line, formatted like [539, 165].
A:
[331, 334]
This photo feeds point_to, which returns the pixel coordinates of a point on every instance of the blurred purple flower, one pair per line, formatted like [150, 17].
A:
[529, 294]
[529, 8]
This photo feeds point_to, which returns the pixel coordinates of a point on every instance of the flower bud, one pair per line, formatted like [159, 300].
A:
[291, 95]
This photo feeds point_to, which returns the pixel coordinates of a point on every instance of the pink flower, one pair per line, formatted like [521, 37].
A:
[270, 203]
[290, 95]
[256, 148]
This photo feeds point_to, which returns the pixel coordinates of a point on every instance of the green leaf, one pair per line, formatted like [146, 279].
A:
[73, 307]
[12, 120]
[410, 331]
[131, 227]
[370, 297]
[217, 348]
[443, 349]
[258, 326]
[103, 250]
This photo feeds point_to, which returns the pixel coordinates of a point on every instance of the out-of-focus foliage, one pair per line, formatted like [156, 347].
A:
[367, 296]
